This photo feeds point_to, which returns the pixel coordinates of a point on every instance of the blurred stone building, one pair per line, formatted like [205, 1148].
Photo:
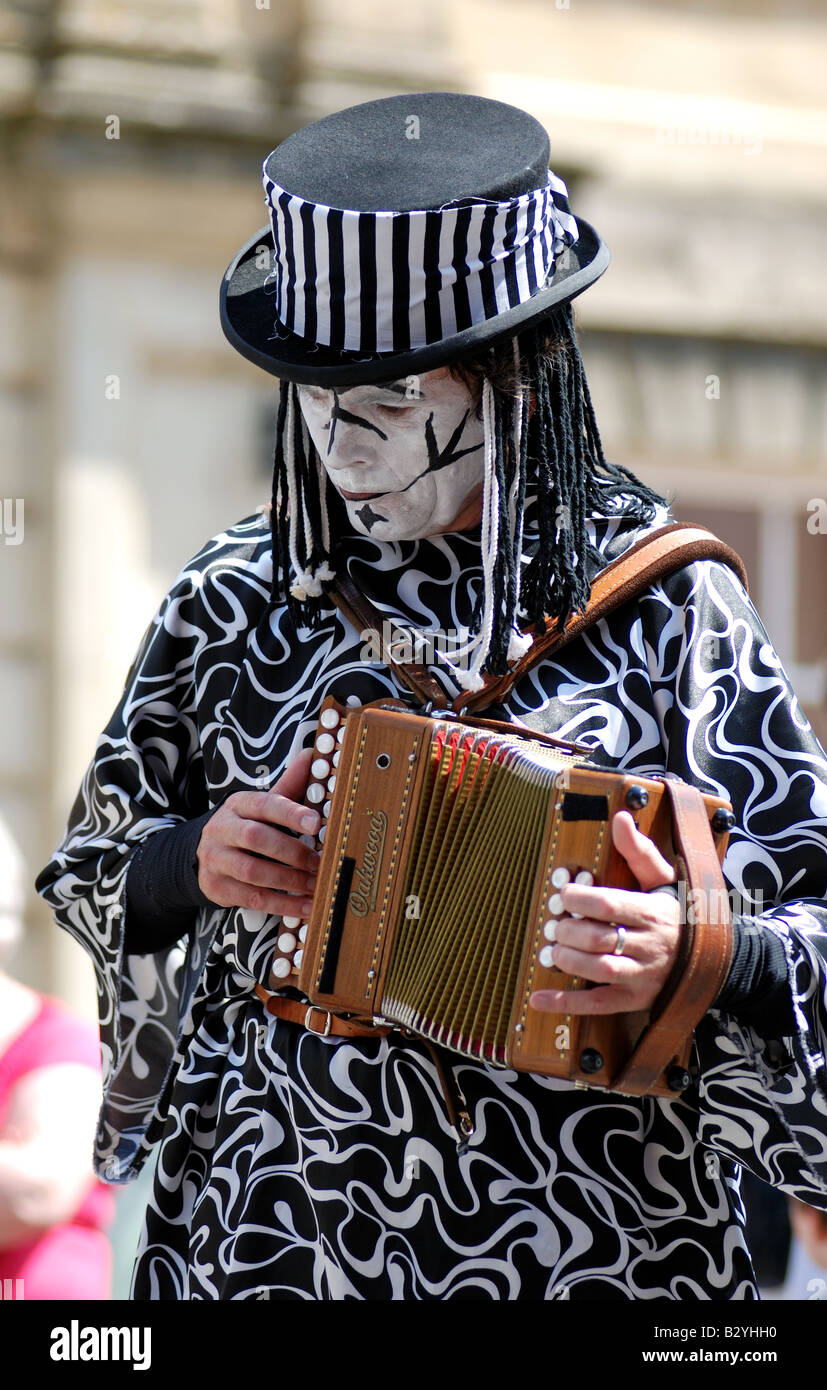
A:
[694, 135]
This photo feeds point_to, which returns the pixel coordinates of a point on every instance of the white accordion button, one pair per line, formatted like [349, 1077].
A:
[297, 959]
[290, 922]
[560, 878]
[547, 956]
[340, 737]
[287, 942]
[584, 877]
[325, 743]
[315, 793]
[336, 756]
[281, 968]
[320, 767]
[555, 905]
[303, 932]
[329, 719]
[550, 931]
[326, 810]
[322, 834]
[307, 840]
[331, 782]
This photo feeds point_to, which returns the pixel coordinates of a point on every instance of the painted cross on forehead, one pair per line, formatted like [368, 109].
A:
[406, 457]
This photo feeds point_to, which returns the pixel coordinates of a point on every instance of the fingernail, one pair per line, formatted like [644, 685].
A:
[307, 908]
[545, 1001]
[309, 822]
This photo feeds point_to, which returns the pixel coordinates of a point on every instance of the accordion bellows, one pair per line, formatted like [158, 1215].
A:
[445, 845]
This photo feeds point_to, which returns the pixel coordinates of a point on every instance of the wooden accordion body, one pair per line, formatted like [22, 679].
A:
[445, 844]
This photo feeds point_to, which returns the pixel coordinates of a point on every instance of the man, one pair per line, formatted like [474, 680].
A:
[436, 443]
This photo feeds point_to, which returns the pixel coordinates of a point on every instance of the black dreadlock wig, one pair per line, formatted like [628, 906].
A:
[558, 457]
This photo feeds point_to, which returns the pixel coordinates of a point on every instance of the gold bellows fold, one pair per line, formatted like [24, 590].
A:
[445, 845]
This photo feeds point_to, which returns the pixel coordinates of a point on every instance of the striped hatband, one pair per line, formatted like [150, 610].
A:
[389, 281]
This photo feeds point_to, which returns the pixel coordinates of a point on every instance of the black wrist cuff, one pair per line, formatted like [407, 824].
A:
[756, 990]
[162, 892]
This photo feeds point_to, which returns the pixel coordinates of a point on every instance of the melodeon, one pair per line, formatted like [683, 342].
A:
[445, 843]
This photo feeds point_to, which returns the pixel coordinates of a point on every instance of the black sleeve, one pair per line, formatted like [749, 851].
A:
[162, 892]
[756, 990]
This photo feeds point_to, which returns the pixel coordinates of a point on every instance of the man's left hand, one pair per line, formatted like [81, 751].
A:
[585, 945]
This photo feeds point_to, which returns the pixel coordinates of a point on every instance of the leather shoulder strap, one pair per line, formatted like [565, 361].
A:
[361, 613]
[709, 951]
[660, 553]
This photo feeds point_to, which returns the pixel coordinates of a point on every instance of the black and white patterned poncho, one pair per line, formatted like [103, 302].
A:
[285, 1164]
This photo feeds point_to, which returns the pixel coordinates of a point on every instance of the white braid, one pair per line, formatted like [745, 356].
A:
[308, 530]
[515, 521]
[472, 679]
[518, 642]
[290, 468]
[322, 485]
[323, 572]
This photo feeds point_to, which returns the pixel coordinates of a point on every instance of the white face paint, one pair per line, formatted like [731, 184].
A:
[407, 459]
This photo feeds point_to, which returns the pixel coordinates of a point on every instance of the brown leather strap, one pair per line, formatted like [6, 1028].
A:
[710, 951]
[455, 1102]
[316, 1020]
[332, 1026]
[361, 613]
[660, 553]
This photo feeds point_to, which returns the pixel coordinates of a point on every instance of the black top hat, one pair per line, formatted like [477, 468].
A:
[404, 233]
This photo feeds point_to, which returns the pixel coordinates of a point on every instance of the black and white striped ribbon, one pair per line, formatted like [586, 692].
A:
[393, 281]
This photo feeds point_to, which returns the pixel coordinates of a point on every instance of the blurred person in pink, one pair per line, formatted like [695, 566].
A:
[53, 1211]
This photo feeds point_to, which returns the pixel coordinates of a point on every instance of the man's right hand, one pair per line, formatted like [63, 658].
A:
[229, 871]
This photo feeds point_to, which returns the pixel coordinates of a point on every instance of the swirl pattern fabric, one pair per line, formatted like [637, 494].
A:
[294, 1166]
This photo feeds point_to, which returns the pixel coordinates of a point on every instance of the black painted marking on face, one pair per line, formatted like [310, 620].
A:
[339, 413]
[442, 458]
[368, 516]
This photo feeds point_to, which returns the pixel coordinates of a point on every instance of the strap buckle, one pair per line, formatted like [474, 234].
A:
[314, 1008]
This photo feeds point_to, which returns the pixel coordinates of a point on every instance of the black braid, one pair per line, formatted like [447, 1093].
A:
[573, 478]
[504, 559]
[509, 543]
